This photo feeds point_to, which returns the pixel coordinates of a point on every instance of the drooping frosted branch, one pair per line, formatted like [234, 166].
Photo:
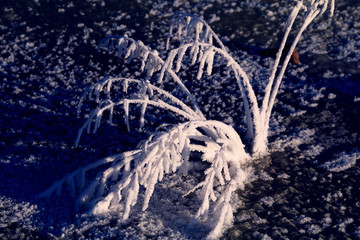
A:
[255, 125]
[129, 49]
[190, 28]
[117, 186]
[97, 113]
[76, 180]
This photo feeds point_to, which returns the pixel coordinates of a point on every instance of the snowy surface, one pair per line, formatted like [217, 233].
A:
[308, 185]
[343, 161]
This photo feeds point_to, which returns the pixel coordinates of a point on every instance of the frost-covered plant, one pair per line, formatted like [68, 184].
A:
[116, 189]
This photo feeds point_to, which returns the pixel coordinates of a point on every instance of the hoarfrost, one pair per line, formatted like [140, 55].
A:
[261, 236]
[331, 96]
[326, 221]
[342, 161]
[313, 229]
[265, 176]
[267, 201]
[243, 217]
[313, 151]
[283, 176]
[60, 69]
[304, 219]
[342, 225]
[304, 136]
[20, 213]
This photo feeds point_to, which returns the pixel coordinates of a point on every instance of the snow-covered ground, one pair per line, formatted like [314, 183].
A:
[308, 185]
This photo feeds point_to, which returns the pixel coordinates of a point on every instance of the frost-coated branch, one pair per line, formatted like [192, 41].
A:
[190, 28]
[164, 153]
[169, 152]
[146, 89]
[314, 9]
[204, 53]
[76, 180]
[128, 48]
[121, 178]
[223, 209]
[147, 95]
[269, 86]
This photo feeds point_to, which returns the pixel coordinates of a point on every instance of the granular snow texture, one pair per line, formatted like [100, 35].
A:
[307, 186]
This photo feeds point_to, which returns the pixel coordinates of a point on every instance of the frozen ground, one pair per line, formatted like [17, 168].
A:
[308, 186]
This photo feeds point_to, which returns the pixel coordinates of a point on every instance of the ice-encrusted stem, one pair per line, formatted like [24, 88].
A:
[312, 12]
[269, 86]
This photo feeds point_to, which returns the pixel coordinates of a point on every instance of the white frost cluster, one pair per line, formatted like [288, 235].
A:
[122, 178]
[116, 189]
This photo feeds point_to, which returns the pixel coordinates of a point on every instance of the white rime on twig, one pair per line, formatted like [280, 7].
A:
[150, 59]
[146, 95]
[190, 28]
[164, 153]
[122, 177]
